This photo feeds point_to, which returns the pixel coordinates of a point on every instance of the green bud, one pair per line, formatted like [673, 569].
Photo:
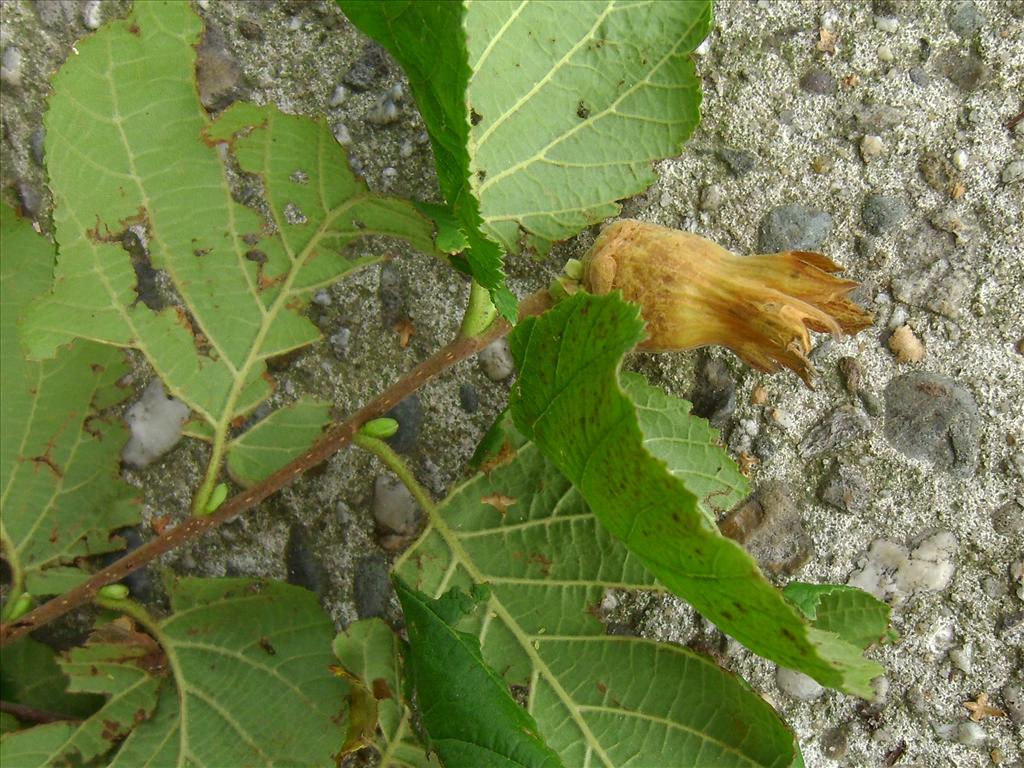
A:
[113, 592]
[380, 428]
[573, 269]
[21, 606]
[216, 498]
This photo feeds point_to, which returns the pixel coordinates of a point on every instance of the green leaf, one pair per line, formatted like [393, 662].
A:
[689, 447]
[128, 143]
[597, 699]
[851, 613]
[541, 120]
[59, 458]
[271, 443]
[428, 40]
[30, 675]
[240, 677]
[248, 656]
[126, 666]
[370, 651]
[569, 400]
[467, 711]
[575, 107]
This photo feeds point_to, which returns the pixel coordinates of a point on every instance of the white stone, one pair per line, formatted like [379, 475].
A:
[338, 97]
[960, 159]
[92, 17]
[890, 572]
[885, 54]
[10, 65]
[156, 421]
[871, 146]
[496, 360]
[394, 508]
[888, 24]
[342, 135]
[797, 684]
[704, 47]
[711, 197]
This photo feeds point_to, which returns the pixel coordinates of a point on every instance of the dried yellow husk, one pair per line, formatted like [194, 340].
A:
[693, 293]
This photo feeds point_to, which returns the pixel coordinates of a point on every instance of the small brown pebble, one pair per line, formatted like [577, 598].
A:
[905, 345]
[1020, 347]
[760, 395]
[851, 371]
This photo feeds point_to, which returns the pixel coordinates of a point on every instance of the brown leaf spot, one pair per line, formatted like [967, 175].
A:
[111, 730]
[499, 502]
[47, 461]
[381, 689]
[504, 455]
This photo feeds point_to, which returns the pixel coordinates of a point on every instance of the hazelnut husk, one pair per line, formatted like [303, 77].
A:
[693, 292]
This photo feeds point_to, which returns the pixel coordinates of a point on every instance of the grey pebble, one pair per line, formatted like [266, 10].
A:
[343, 136]
[392, 291]
[250, 30]
[819, 82]
[1014, 171]
[970, 733]
[10, 65]
[339, 342]
[881, 213]
[37, 146]
[394, 508]
[965, 70]
[965, 19]
[932, 417]
[878, 118]
[29, 199]
[469, 398]
[793, 227]
[711, 198]
[1008, 519]
[1013, 700]
[714, 393]
[371, 587]
[409, 415]
[834, 742]
[496, 360]
[301, 563]
[367, 70]
[771, 528]
[384, 112]
[338, 96]
[322, 297]
[740, 161]
[835, 431]
[872, 403]
[845, 489]
[218, 76]
[919, 77]
[797, 684]
[343, 514]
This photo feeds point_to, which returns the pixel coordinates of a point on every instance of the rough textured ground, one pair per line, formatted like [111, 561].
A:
[821, 104]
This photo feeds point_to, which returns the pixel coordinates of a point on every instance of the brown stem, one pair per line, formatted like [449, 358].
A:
[31, 714]
[328, 445]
